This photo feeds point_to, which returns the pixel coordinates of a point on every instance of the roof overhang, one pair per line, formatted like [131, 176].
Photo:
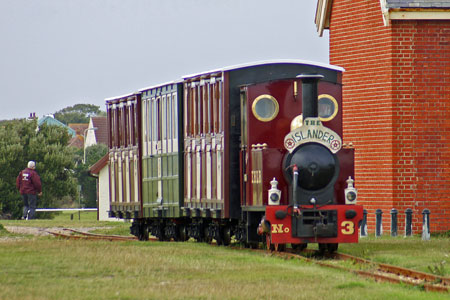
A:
[95, 169]
[324, 7]
[323, 13]
[413, 13]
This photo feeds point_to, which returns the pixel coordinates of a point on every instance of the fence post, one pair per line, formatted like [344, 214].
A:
[408, 222]
[363, 229]
[379, 225]
[426, 225]
[394, 223]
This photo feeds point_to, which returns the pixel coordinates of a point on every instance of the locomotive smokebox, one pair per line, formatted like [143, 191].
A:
[310, 105]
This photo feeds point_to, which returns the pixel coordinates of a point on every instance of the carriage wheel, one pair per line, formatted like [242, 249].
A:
[225, 236]
[182, 233]
[143, 234]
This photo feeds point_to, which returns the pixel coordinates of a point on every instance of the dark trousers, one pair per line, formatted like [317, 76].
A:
[29, 206]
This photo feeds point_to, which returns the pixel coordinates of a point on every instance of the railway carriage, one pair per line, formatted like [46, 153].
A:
[251, 151]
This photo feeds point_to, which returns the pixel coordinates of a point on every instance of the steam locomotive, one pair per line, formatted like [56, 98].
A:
[251, 152]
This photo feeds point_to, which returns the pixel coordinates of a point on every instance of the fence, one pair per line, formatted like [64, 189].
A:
[394, 223]
[79, 210]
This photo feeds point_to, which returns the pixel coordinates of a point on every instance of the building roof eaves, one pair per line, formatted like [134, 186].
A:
[426, 4]
[100, 164]
[323, 14]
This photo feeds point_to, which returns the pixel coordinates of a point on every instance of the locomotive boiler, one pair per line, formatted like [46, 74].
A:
[251, 152]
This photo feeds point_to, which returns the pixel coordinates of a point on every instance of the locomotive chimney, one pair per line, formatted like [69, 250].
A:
[310, 105]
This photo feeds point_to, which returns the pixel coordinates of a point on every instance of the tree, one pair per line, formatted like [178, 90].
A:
[20, 142]
[79, 113]
[88, 184]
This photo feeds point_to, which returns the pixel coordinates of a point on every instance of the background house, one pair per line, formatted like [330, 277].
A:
[100, 170]
[396, 101]
[78, 140]
[50, 120]
[98, 136]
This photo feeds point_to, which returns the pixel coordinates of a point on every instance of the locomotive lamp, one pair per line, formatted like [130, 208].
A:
[274, 193]
[350, 192]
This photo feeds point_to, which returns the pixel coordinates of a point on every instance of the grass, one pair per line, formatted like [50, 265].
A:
[50, 268]
[431, 256]
[72, 220]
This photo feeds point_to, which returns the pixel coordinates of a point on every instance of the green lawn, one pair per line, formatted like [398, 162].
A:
[51, 268]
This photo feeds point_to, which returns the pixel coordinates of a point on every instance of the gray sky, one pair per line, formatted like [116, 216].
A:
[57, 53]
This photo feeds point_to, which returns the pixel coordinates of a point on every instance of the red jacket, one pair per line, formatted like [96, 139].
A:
[28, 182]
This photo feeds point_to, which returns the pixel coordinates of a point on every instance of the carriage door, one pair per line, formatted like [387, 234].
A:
[243, 159]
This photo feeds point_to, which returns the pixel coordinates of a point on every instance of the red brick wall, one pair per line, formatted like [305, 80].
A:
[396, 128]
[421, 97]
[361, 44]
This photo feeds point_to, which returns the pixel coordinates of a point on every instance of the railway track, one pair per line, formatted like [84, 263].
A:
[377, 271]
[81, 235]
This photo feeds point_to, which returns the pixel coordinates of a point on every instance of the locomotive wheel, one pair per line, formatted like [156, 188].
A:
[299, 247]
[329, 248]
[332, 247]
[322, 249]
[251, 245]
[274, 247]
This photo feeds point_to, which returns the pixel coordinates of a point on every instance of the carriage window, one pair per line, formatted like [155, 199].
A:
[187, 109]
[199, 125]
[118, 126]
[148, 120]
[193, 100]
[155, 111]
[214, 108]
[144, 126]
[169, 117]
[124, 123]
[205, 107]
[328, 107]
[265, 108]
[208, 96]
[220, 103]
[164, 118]
[175, 115]
[111, 126]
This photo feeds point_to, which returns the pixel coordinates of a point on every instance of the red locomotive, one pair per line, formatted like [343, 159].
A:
[252, 152]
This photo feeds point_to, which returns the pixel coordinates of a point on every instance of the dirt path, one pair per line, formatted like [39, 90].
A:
[40, 231]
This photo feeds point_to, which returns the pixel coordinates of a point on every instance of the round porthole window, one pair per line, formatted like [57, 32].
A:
[265, 108]
[328, 107]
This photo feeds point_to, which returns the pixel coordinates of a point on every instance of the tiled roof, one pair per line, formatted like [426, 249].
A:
[418, 3]
[101, 134]
[79, 127]
[100, 164]
[77, 142]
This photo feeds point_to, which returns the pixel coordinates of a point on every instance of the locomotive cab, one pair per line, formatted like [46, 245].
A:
[315, 167]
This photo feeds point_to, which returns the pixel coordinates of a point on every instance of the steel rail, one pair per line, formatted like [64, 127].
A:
[383, 273]
[398, 270]
[92, 237]
[100, 235]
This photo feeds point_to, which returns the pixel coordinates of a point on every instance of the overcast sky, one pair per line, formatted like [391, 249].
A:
[57, 53]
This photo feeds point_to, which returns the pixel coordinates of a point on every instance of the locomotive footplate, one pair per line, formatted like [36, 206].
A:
[306, 224]
[315, 223]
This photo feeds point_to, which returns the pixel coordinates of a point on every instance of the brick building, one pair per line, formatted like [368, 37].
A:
[396, 102]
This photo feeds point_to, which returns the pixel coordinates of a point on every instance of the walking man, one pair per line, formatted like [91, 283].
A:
[29, 185]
